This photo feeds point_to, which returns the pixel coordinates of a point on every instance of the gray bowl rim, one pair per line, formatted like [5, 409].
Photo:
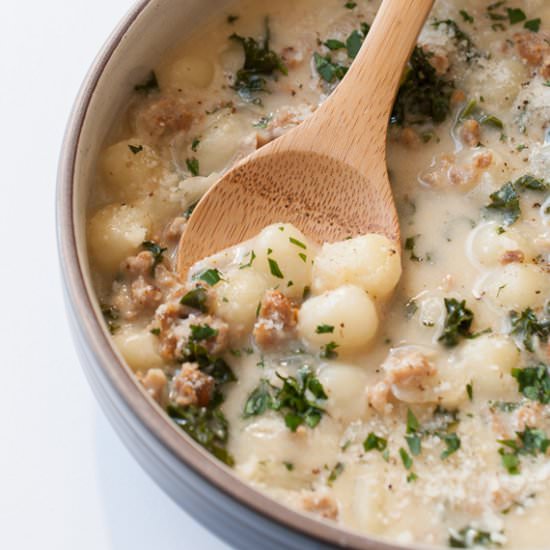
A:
[148, 413]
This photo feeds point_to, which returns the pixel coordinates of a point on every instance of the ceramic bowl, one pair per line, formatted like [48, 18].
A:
[205, 488]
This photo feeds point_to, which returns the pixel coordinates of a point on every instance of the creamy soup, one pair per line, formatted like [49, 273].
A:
[399, 390]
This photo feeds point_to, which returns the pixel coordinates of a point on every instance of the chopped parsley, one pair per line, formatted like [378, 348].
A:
[135, 149]
[149, 85]
[250, 261]
[194, 144]
[531, 442]
[335, 473]
[260, 62]
[374, 443]
[327, 69]
[196, 299]
[297, 399]
[324, 329]
[458, 322]
[192, 165]
[466, 16]
[274, 269]
[210, 276]
[350, 5]
[329, 351]
[202, 332]
[534, 382]
[533, 25]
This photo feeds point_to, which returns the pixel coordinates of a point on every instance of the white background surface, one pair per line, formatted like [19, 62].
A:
[66, 481]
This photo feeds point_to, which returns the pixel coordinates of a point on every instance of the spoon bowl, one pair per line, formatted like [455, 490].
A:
[327, 176]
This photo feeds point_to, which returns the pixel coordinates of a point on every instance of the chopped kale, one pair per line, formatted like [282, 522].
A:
[534, 382]
[423, 96]
[533, 25]
[458, 322]
[405, 458]
[206, 426]
[297, 399]
[505, 201]
[516, 15]
[202, 332]
[327, 69]
[526, 326]
[149, 85]
[452, 443]
[260, 62]
[466, 16]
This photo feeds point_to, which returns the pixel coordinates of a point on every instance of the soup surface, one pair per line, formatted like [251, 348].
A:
[400, 392]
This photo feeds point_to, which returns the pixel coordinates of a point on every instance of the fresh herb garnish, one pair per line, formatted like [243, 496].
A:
[458, 322]
[533, 25]
[232, 18]
[531, 441]
[335, 473]
[196, 299]
[324, 329]
[260, 62]
[374, 443]
[111, 315]
[466, 16]
[274, 268]
[297, 399]
[194, 144]
[329, 351]
[534, 382]
[251, 260]
[202, 332]
[210, 276]
[327, 69]
[135, 149]
[405, 458]
[297, 243]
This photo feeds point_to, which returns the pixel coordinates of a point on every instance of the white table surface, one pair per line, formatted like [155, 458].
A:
[66, 481]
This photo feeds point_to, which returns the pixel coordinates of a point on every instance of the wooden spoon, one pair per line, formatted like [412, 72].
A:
[327, 176]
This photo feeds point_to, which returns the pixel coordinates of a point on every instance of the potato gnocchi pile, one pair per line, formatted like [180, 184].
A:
[401, 390]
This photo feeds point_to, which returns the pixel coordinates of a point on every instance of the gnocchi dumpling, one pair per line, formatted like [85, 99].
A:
[237, 299]
[115, 232]
[187, 71]
[487, 363]
[139, 349]
[517, 286]
[284, 256]
[221, 142]
[345, 386]
[130, 169]
[346, 316]
[371, 262]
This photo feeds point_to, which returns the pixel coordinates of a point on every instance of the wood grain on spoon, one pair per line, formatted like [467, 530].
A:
[328, 176]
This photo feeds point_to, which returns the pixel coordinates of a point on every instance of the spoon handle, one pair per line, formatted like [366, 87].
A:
[351, 125]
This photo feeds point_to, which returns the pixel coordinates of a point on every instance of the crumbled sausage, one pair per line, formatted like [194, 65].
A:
[142, 264]
[512, 256]
[292, 57]
[470, 133]
[532, 47]
[144, 294]
[276, 320]
[438, 59]
[409, 137]
[163, 117]
[405, 370]
[191, 386]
